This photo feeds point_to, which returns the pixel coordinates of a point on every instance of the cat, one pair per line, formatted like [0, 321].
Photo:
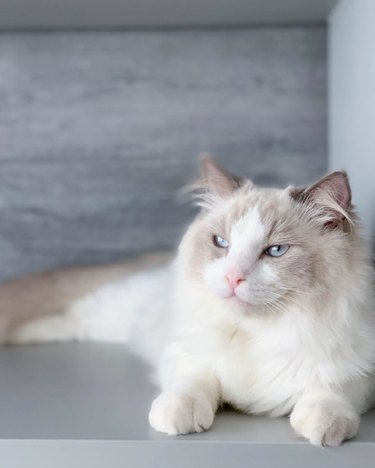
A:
[268, 306]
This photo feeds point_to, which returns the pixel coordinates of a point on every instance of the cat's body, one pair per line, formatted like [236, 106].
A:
[277, 320]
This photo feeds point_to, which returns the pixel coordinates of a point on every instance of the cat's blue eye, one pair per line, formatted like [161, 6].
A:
[220, 242]
[277, 250]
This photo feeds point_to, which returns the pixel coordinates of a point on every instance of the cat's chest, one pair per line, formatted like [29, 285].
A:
[261, 375]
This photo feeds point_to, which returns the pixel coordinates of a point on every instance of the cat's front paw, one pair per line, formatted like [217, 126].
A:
[325, 423]
[179, 413]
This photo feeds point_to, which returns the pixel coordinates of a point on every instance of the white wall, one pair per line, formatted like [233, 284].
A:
[352, 100]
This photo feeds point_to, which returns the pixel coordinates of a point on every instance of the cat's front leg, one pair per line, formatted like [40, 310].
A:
[325, 418]
[187, 404]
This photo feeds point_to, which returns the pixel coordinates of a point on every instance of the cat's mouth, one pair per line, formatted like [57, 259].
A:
[253, 297]
[245, 298]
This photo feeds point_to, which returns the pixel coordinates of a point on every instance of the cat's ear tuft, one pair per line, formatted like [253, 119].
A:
[218, 181]
[329, 199]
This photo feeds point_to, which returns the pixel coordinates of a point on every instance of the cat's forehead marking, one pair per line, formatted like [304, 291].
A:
[248, 230]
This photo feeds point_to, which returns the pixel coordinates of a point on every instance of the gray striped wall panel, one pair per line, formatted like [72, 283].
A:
[98, 130]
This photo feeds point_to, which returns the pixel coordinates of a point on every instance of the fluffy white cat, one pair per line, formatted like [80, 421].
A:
[269, 307]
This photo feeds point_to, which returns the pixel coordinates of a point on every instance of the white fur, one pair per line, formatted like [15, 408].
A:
[246, 239]
[325, 418]
[247, 235]
[271, 369]
[132, 311]
[314, 361]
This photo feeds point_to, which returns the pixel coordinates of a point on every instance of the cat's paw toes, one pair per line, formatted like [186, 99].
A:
[325, 425]
[175, 413]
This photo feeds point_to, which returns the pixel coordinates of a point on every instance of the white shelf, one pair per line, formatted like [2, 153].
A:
[78, 406]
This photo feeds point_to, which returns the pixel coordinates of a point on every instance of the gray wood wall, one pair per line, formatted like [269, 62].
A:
[98, 130]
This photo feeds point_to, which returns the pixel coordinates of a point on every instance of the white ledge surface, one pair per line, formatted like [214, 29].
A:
[81, 406]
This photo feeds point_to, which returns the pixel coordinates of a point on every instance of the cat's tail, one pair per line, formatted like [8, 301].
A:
[45, 298]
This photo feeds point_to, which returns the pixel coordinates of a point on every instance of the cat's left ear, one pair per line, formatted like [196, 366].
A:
[330, 199]
[218, 181]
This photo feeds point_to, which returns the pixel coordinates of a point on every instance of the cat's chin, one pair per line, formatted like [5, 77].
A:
[243, 308]
[235, 299]
[230, 296]
[247, 306]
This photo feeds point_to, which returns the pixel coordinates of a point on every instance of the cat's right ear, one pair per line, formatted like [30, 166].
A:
[215, 184]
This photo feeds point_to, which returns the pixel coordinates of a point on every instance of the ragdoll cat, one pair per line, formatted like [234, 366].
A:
[268, 307]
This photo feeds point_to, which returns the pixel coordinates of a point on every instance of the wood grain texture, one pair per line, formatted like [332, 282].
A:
[98, 130]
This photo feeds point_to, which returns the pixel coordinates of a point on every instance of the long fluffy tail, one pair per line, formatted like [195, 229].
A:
[52, 293]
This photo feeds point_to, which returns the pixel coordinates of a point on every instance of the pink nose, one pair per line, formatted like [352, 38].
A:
[234, 279]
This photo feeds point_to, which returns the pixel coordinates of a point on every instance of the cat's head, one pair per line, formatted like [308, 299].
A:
[259, 246]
